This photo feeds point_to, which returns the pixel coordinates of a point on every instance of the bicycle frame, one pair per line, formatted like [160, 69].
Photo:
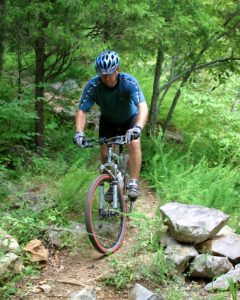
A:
[113, 168]
[105, 218]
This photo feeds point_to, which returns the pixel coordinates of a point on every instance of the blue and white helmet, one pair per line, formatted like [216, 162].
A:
[107, 62]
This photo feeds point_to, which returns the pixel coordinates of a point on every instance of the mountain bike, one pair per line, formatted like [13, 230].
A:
[106, 217]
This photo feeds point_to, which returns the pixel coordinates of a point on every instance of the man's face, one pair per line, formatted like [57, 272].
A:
[110, 80]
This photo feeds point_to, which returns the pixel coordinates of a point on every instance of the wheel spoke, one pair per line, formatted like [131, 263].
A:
[105, 225]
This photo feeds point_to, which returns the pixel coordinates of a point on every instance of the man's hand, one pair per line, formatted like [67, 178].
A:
[79, 139]
[134, 133]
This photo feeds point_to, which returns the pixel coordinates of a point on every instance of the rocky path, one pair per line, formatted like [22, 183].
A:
[67, 272]
[71, 270]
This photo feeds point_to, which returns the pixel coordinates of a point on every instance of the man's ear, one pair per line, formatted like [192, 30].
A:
[118, 70]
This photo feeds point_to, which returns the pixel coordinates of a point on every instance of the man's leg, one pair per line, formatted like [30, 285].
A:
[103, 154]
[135, 158]
[135, 161]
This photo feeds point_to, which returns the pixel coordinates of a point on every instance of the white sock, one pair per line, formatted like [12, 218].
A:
[133, 181]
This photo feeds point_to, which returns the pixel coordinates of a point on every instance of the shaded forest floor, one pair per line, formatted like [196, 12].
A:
[68, 271]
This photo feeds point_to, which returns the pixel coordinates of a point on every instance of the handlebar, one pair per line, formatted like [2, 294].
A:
[117, 140]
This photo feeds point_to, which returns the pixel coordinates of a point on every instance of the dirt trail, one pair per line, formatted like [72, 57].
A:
[66, 273]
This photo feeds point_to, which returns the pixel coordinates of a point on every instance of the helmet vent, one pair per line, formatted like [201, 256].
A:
[107, 62]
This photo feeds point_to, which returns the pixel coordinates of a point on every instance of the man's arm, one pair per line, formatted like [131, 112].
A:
[81, 119]
[142, 114]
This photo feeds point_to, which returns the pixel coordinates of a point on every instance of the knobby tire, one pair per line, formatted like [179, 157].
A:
[106, 234]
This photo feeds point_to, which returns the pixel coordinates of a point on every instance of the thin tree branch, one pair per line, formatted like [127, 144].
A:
[202, 66]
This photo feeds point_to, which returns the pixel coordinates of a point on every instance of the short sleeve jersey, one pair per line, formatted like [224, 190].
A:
[117, 104]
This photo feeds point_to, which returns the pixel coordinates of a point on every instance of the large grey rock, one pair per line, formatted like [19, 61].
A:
[55, 235]
[37, 202]
[222, 282]
[167, 240]
[207, 266]
[226, 230]
[180, 255]
[8, 243]
[69, 85]
[139, 292]
[225, 245]
[192, 223]
[87, 293]
[9, 262]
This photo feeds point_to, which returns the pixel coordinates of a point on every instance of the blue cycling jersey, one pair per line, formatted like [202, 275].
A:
[117, 104]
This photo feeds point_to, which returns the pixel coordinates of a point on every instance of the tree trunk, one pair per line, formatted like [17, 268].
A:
[19, 62]
[2, 32]
[39, 92]
[175, 100]
[155, 95]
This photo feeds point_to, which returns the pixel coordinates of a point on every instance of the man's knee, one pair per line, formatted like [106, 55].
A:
[134, 146]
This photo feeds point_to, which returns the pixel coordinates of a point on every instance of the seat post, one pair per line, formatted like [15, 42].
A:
[109, 153]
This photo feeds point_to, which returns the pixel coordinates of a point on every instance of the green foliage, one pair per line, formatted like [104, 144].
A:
[158, 269]
[204, 170]
[212, 120]
[43, 165]
[16, 121]
[177, 177]
[233, 288]
[9, 280]
[145, 258]
[25, 224]
[72, 189]
[150, 231]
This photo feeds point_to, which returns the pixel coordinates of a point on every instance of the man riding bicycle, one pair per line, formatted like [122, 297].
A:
[123, 111]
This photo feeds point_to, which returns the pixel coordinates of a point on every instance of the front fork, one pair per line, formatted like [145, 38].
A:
[115, 195]
[102, 195]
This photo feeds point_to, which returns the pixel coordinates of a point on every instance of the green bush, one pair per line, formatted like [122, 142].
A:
[72, 189]
[178, 177]
[211, 119]
[16, 122]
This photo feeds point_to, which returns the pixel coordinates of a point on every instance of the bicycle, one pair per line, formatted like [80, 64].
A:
[106, 218]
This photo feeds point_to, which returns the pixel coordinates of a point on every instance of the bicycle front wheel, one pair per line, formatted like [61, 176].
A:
[106, 226]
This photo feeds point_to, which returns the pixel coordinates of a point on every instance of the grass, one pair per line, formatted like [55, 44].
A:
[145, 261]
[178, 176]
[193, 172]
[62, 182]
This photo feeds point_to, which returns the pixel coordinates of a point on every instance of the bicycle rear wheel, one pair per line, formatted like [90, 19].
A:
[106, 226]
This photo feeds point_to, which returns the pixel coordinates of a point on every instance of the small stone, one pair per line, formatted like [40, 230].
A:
[8, 243]
[38, 251]
[139, 292]
[45, 288]
[7, 262]
[87, 293]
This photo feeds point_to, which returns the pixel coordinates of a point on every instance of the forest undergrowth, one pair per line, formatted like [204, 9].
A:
[170, 169]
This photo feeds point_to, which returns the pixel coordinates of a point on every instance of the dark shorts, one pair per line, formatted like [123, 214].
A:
[108, 129]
